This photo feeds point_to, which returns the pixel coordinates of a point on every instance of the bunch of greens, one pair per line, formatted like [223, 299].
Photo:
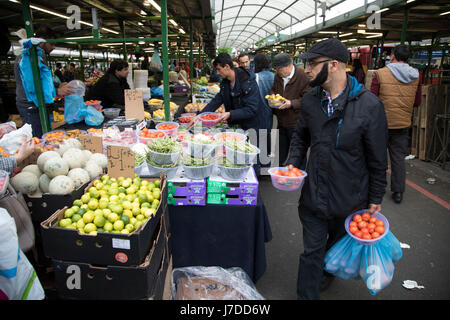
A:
[164, 145]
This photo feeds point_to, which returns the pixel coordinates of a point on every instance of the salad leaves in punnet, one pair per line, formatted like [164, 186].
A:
[164, 145]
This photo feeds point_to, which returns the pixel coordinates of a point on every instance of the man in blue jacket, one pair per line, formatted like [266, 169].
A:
[239, 93]
[345, 127]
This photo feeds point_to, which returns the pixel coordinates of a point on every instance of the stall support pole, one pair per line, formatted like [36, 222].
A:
[165, 58]
[35, 68]
[404, 26]
[124, 47]
[191, 55]
[81, 62]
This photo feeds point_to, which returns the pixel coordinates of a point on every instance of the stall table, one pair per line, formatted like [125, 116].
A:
[221, 235]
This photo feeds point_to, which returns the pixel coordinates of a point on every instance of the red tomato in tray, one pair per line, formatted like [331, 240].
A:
[366, 227]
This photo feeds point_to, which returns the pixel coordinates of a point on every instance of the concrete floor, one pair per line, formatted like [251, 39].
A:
[418, 221]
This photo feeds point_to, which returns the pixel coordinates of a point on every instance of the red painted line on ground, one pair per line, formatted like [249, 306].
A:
[427, 194]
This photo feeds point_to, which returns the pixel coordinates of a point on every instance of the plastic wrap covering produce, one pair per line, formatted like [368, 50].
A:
[374, 263]
[7, 127]
[212, 283]
[18, 279]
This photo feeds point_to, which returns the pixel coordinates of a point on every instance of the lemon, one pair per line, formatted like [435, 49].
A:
[125, 219]
[93, 204]
[144, 182]
[76, 217]
[130, 227]
[93, 233]
[77, 203]
[136, 211]
[106, 212]
[126, 183]
[68, 213]
[88, 217]
[90, 227]
[75, 208]
[113, 217]
[80, 224]
[99, 221]
[127, 205]
[131, 190]
[127, 213]
[64, 223]
[85, 198]
[125, 231]
[140, 217]
[118, 225]
[102, 204]
[108, 227]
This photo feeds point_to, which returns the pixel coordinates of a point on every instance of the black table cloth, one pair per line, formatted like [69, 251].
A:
[220, 235]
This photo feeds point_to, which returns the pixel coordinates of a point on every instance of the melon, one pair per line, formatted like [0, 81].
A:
[100, 159]
[44, 181]
[93, 169]
[61, 185]
[56, 167]
[42, 159]
[33, 168]
[79, 177]
[74, 157]
[68, 144]
[25, 182]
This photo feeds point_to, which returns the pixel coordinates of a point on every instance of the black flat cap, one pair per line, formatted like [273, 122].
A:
[281, 60]
[332, 48]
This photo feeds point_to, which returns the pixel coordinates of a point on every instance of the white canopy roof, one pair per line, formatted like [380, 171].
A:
[242, 23]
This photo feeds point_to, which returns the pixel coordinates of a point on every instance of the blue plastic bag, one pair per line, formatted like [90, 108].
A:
[74, 109]
[26, 74]
[93, 117]
[157, 92]
[156, 64]
[374, 263]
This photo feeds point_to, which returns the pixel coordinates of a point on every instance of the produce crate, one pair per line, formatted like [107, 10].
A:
[219, 185]
[232, 200]
[43, 207]
[75, 280]
[104, 248]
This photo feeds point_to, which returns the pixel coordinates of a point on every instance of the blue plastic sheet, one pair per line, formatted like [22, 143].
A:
[26, 75]
[156, 64]
[157, 92]
[374, 264]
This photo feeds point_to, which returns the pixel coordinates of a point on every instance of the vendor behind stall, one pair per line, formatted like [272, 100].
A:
[110, 88]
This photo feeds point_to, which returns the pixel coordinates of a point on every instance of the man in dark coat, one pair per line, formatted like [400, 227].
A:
[239, 93]
[111, 87]
[345, 127]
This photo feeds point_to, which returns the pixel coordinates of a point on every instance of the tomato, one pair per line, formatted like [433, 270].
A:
[364, 230]
[291, 174]
[357, 218]
[358, 234]
[362, 224]
[379, 229]
[375, 235]
[373, 220]
[278, 172]
[353, 230]
[367, 236]
[353, 224]
[379, 223]
[371, 226]
[365, 216]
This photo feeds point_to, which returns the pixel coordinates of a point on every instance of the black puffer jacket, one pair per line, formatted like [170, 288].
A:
[110, 90]
[348, 158]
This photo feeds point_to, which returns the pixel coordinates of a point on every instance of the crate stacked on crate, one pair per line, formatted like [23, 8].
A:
[110, 264]
[435, 100]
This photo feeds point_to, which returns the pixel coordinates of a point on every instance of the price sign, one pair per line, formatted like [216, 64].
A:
[120, 162]
[92, 143]
[134, 105]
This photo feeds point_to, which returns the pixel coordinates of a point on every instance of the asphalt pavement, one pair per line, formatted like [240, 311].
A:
[421, 221]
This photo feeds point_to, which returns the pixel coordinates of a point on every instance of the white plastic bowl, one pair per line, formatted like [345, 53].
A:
[286, 183]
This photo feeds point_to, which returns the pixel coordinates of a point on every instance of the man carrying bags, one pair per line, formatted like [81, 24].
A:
[345, 127]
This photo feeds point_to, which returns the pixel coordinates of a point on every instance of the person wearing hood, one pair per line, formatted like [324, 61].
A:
[344, 126]
[398, 87]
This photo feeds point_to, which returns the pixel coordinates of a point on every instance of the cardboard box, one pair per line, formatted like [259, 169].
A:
[191, 200]
[75, 280]
[183, 186]
[248, 185]
[43, 207]
[104, 248]
[232, 200]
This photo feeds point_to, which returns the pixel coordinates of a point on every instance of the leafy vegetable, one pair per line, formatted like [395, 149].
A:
[164, 145]
[225, 163]
[240, 146]
[165, 166]
[195, 162]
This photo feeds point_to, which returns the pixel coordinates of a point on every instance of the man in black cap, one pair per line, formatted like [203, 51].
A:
[346, 129]
[291, 83]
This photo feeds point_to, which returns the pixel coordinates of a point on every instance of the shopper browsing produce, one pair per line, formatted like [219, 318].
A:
[291, 83]
[345, 127]
[239, 93]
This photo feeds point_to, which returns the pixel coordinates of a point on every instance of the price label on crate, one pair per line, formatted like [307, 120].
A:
[134, 105]
[120, 162]
[92, 143]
